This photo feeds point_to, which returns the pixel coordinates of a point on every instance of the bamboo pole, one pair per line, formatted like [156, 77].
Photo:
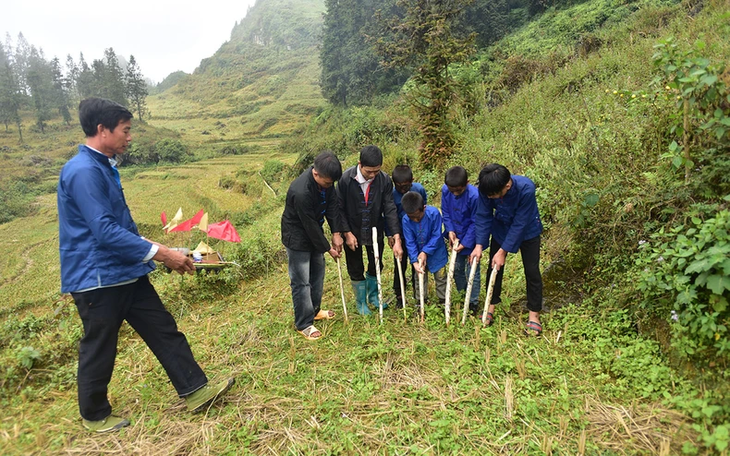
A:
[342, 290]
[421, 293]
[469, 286]
[490, 290]
[376, 251]
[449, 278]
[402, 288]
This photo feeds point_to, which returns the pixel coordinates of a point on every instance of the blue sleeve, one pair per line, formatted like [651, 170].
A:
[446, 208]
[434, 230]
[526, 205]
[483, 222]
[470, 237]
[410, 238]
[422, 191]
[88, 190]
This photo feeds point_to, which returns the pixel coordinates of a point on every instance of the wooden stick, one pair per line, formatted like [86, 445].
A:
[469, 286]
[421, 276]
[490, 290]
[342, 289]
[402, 288]
[376, 251]
[449, 278]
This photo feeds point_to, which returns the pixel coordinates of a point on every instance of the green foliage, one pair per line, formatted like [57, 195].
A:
[701, 119]
[273, 170]
[687, 270]
[427, 40]
[27, 356]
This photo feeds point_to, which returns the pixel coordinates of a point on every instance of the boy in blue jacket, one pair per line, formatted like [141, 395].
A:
[459, 204]
[424, 241]
[403, 183]
[508, 213]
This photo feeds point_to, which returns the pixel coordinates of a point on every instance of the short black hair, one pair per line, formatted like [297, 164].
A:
[100, 111]
[456, 176]
[412, 202]
[328, 165]
[371, 156]
[493, 178]
[402, 174]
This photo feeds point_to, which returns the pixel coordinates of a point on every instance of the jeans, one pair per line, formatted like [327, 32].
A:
[102, 312]
[462, 269]
[530, 251]
[306, 277]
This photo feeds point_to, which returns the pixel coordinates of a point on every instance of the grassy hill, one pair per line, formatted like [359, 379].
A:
[600, 381]
[262, 83]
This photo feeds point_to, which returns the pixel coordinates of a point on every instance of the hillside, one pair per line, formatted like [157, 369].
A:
[262, 83]
[568, 100]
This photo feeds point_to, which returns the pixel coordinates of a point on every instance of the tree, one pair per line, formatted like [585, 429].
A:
[40, 83]
[9, 94]
[84, 79]
[60, 95]
[136, 88]
[425, 38]
[113, 79]
[351, 73]
[72, 77]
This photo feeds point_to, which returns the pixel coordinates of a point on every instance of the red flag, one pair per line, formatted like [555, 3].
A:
[184, 226]
[196, 218]
[223, 230]
[163, 217]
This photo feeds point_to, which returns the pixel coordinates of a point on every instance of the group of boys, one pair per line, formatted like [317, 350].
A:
[503, 207]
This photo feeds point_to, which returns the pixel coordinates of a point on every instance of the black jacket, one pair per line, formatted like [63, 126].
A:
[304, 214]
[359, 218]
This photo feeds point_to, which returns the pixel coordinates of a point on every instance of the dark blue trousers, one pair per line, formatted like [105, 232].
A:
[102, 312]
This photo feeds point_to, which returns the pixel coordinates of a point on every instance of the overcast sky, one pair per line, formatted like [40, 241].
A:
[163, 35]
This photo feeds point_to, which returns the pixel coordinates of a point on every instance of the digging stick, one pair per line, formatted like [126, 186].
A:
[342, 290]
[490, 290]
[402, 288]
[377, 272]
[421, 276]
[469, 286]
[449, 278]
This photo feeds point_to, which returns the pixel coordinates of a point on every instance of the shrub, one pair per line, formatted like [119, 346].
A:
[171, 151]
[686, 277]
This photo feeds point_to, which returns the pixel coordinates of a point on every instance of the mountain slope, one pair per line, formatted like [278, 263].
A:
[262, 83]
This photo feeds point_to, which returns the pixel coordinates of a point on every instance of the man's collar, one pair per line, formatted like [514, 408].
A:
[112, 160]
[359, 177]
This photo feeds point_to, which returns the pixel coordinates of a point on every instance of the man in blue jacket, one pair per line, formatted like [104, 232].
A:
[508, 212]
[104, 265]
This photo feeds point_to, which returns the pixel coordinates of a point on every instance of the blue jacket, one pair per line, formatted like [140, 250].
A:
[426, 236]
[98, 240]
[398, 196]
[460, 213]
[510, 220]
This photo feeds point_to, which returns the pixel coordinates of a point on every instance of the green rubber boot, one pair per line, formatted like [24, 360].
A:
[372, 285]
[361, 296]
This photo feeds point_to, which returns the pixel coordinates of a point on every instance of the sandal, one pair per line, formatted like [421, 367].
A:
[311, 333]
[533, 329]
[489, 320]
[325, 315]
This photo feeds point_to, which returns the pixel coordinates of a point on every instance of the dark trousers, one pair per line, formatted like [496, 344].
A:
[306, 278]
[102, 312]
[355, 265]
[530, 251]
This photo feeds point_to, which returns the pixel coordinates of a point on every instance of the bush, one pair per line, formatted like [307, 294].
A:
[171, 151]
[686, 277]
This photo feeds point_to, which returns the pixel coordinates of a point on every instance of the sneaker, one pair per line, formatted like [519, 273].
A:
[202, 398]
[108, 424]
